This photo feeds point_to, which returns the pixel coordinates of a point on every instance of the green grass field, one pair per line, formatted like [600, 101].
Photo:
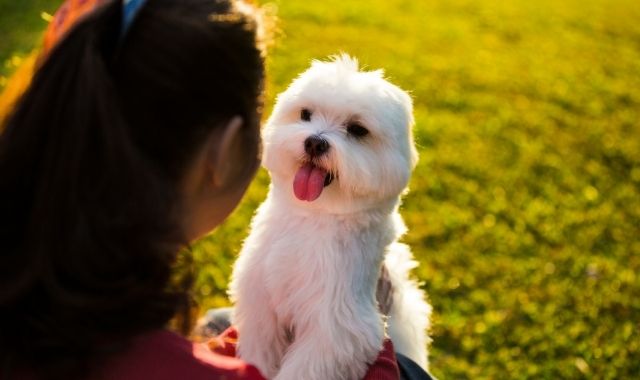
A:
[524, 211]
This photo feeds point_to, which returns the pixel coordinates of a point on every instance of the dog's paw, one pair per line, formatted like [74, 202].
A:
[319, 359]
[323, 369]
[267, 363]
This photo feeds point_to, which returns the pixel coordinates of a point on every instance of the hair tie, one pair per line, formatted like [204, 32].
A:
[130, 10]
[72, 11]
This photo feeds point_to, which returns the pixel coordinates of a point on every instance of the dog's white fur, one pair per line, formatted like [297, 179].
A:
[305, 282]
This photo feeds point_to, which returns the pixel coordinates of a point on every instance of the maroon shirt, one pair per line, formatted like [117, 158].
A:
[164, 355]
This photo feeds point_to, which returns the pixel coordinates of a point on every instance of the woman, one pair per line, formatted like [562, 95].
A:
[139, 133]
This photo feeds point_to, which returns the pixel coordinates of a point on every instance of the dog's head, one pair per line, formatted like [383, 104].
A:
[339, 139]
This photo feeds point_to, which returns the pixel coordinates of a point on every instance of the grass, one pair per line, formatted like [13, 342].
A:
[525, 208]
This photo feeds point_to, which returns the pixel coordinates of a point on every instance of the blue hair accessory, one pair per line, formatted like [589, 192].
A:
[130, 9]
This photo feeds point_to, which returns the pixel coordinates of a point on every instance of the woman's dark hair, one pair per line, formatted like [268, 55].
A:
[90, 162]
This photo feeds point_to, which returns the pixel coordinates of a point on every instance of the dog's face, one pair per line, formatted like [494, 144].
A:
[339, 139]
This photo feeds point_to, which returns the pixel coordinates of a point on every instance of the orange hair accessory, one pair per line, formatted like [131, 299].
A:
[65, 18]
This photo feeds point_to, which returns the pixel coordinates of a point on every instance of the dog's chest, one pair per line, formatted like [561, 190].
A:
[307, 259]
[302, 255]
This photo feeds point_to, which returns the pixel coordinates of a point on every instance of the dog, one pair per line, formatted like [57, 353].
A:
[339, 149]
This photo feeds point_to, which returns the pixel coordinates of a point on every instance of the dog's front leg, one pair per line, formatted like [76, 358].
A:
[261, 342]
[337, 344]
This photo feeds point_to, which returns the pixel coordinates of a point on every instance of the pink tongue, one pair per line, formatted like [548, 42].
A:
[309, 182]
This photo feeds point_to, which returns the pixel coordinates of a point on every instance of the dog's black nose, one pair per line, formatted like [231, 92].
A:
[315, 146]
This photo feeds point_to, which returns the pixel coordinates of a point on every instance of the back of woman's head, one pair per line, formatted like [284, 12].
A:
[90, 162]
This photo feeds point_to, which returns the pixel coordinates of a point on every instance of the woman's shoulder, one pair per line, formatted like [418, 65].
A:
[162, 354]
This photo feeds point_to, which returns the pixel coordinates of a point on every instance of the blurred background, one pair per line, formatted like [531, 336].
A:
[524, 210]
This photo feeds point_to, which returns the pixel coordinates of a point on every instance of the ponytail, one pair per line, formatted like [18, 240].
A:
[73, 191]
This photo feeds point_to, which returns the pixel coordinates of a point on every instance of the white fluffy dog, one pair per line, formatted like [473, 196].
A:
[339, 150]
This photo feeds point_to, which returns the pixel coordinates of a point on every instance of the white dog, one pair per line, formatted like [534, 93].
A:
[339, 150]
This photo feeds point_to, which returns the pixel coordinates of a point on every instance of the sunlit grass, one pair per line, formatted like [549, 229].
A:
[524, 210]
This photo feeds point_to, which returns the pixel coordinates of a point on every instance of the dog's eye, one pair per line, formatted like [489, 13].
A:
[305, 114]
[357, 130]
